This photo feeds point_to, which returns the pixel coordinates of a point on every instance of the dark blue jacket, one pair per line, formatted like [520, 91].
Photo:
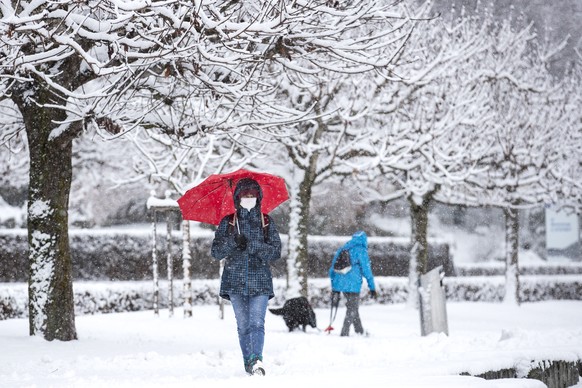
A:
[246, 272]
[352, 281]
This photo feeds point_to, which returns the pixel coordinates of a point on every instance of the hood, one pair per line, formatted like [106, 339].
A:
[247, 184]
[358, 239]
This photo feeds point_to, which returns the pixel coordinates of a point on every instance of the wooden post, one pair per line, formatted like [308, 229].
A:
[170, 262]
[186, 256]
[167, 206]
[155, 267]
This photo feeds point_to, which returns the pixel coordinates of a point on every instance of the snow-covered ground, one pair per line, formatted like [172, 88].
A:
[141, 350]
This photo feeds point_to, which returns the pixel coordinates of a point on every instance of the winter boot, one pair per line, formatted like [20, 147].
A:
[254, 365]
[248, 367]
[258, 368]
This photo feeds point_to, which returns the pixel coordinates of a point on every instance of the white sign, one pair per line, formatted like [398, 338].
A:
[562, 229]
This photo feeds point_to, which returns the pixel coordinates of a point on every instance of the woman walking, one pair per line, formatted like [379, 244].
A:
[249, 241]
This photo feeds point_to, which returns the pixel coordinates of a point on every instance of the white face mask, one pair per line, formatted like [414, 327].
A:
[248, 203]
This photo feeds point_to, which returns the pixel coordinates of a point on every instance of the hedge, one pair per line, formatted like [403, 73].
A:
[498, 268]
[107, 297]
[120, 255]
[127, 255]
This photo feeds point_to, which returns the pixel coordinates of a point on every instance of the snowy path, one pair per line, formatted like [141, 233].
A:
[140, 350]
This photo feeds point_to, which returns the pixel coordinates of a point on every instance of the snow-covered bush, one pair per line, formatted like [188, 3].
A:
[533, 288]
[107, 255]
[108, 297]
[13, 302]
[123, 255]
[498, 268]
[127, 255]
[11, 216]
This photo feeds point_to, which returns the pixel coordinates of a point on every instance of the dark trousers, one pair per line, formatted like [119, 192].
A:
[352, 314]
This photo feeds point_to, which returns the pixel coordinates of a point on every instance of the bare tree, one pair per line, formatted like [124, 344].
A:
[67, 66]
[178, 164]
[570, 188]
[534, 129]
[311, 116]
[61, 62]
[431, 129]
[311, 150]
[337, 93]
[446, 130]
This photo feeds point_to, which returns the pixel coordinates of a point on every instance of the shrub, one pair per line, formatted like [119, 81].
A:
[122, 255]
[107, 297]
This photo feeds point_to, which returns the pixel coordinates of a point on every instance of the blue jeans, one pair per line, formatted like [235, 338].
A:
[249, 312]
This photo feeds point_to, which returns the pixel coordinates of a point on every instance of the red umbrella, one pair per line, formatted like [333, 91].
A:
[212, 199]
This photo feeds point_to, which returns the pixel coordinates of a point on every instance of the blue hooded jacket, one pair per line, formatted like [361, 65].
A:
[246, 272]
[352, 281]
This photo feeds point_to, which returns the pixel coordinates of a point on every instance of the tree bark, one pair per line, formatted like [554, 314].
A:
[50, 289]
[419, 232]
[156, 296]
[511, 256]
[298, 232]
[419, 208]
[186, 259]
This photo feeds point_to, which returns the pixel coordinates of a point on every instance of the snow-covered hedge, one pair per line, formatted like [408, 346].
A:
[106, 297]
[121, 255]
[532, 288]
[105, 255]
[498, 268]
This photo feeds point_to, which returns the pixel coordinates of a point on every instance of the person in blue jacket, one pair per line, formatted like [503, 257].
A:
[248, 241]
[349, 280]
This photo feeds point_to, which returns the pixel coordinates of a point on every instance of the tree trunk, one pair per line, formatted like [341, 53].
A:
[50, 289]
[298, 260]
[156, 296]
[511, 256]
[419, 207]
[186, 259]
[419, 232]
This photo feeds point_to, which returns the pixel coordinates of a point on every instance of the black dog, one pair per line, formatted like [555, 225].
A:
[296, 312]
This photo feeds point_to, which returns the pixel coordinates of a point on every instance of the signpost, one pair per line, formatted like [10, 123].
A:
[562, 234]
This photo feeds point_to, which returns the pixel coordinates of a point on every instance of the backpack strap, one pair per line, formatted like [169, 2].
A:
[232, 220]
[264, 222]
[231, 223]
